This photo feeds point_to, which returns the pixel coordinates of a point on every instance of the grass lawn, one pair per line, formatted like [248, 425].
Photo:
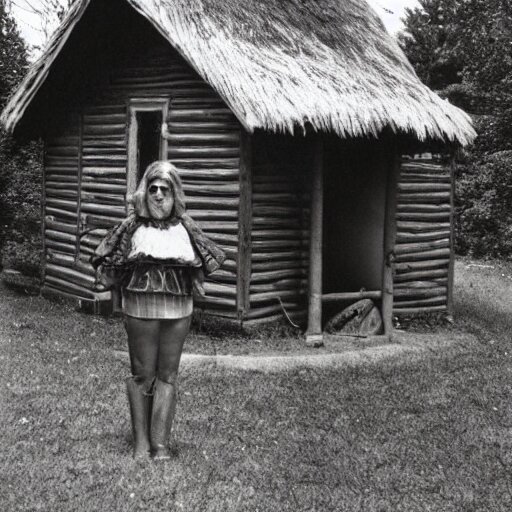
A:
[430, 433]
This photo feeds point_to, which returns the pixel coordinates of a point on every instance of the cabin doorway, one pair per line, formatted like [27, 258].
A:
[145, 142]
[354, 211]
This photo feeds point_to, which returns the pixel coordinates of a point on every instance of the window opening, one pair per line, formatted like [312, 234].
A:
[148, 139]
[145, 142]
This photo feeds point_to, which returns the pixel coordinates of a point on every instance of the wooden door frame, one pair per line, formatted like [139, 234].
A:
[393, 158]
[135, 105]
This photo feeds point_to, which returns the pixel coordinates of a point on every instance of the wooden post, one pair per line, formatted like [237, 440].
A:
[79, 226]
[451, 264]
[164, 143]
[43, 214]
[244, 227]
[133, 157]
[314, 336]
[389, 243]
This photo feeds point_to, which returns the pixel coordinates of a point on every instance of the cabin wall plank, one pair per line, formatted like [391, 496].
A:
[423, 248]
[60, 201]
[280, 229]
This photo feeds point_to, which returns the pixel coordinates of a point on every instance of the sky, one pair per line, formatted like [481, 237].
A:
[389, 10]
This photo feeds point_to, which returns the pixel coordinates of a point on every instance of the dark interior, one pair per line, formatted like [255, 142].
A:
[354, 210]
[355, 177]
[148, 142]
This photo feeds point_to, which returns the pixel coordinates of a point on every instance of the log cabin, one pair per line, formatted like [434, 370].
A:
[290, 123]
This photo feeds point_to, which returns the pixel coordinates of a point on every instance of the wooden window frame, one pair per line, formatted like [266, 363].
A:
[135, 105]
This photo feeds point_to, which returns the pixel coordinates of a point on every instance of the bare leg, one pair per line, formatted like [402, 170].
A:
[172, 337]
[143, 338]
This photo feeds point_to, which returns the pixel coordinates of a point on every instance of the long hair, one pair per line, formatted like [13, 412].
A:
[162, 170]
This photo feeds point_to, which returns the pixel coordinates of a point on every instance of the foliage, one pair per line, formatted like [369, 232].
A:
[48, 13]
[494, 134]
[13, 54]
[485, 33]
[429, 40]
[484, 206]
[20, 203]
[475, 36]
[450, 41]
[20, 169]
[20, 166]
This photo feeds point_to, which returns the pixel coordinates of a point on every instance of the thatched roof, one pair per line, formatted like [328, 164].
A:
[280, 64]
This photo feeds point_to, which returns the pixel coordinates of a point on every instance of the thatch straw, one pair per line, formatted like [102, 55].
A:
[280, 64]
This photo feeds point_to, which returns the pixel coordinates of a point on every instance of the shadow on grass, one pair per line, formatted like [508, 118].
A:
[483, 299]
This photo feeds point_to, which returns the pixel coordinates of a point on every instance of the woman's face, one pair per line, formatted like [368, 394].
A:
[160, 199]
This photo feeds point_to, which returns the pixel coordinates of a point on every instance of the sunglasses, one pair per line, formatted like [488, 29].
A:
[153, 189]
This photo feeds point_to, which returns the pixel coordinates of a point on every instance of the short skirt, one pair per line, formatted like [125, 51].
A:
[156, 306]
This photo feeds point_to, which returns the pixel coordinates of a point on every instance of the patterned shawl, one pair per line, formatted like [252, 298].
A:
[114, 248]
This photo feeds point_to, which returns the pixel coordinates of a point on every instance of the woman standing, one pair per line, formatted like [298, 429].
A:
[158, 256]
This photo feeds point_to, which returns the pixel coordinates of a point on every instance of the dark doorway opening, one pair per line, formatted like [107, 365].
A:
[148, 140]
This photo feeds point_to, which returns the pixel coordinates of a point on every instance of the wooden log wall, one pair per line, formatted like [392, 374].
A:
[205, 146]
[280, 242]
[280, 249]
[423, 242]
[64, 272]
[86, 170]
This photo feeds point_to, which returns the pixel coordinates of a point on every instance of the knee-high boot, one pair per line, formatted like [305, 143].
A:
[162, 415]
[140, 409]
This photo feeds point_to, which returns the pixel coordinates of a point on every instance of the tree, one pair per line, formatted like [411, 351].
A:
[430, 40]
[485, 33]
[49, 12]
[13, 54]
[454, 41]
[20, 167]
[472, 38]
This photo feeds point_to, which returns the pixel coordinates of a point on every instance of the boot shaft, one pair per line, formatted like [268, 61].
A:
[162, 415]
[140, 411]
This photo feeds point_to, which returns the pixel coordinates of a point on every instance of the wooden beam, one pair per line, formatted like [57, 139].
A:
[314, 336]
[451, 264]
[131, 170]
[164, 143]
[333, 297]
[419, 310]
[389, 243]
[244, 255]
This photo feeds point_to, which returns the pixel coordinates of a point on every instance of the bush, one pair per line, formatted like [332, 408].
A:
[463, 96]
[20, 204]
[483, 202]
[494, 133]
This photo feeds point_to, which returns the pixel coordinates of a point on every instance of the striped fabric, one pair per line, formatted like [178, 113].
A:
[156, 306]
